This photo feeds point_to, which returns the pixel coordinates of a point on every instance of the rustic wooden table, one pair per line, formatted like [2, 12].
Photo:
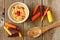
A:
[53, 34]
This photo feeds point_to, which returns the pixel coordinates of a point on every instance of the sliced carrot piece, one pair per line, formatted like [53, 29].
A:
[6, 29]
[9, 25]
[35, 16]
[35, 9]
[45, 12]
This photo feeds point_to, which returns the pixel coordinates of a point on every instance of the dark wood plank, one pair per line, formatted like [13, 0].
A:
[29, 24]
[7, 4]
[1, 11]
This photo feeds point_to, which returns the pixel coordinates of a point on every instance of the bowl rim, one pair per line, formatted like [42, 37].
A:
[10, 16]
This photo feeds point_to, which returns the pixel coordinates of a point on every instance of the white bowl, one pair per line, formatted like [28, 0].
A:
[26, 15]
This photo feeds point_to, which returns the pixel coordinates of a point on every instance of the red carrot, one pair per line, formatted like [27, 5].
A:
[35, 16]
[9, 25]
[35, 9]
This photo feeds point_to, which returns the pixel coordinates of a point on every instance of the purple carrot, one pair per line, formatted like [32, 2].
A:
[42, 9]
[13, 35]
[13, 30]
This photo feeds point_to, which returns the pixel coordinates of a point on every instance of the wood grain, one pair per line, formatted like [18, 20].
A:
[54, 4]
[48, 35]
[52, 34]
[1, 11]
[21, 26]
[29, 24]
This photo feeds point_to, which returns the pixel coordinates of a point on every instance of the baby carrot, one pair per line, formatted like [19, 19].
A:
[49, 16]
[42, 10]
[13, 35]
[35, 9]
[13, 30]
[20, 35]
[9, 25]
[7, 30]
[35, 16]
[45, 12]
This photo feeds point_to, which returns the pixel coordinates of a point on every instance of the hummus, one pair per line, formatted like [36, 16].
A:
[17, 12]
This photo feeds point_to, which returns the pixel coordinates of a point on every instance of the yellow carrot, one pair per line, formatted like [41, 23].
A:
[49, 16]
[5, 28]
[20, 35]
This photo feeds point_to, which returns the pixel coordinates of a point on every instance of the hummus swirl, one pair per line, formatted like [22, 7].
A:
[17, 12]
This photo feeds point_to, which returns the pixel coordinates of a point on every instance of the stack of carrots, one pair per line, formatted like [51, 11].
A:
[12, 30]
[42, 12]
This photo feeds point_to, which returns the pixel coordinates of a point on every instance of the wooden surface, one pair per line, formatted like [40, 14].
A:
[53, 34]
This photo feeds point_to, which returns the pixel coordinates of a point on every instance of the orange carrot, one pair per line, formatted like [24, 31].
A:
[35, 9]
[9, 25]
[35, 16]
[45, 12]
